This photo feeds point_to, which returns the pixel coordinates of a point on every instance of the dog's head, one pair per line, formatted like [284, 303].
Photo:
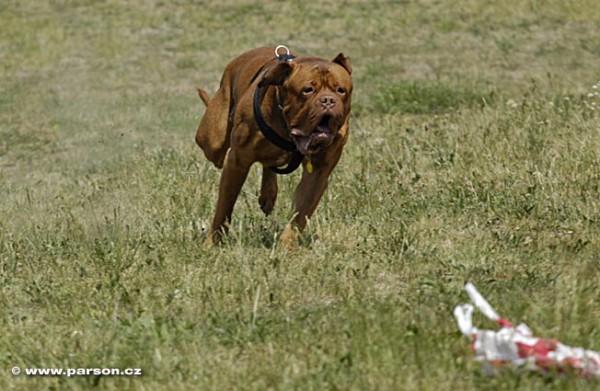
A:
[316, 97]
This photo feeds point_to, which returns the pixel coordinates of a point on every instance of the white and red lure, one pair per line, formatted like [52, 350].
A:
[518, 346]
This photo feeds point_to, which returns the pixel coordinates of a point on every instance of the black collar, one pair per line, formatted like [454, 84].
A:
[272, 136]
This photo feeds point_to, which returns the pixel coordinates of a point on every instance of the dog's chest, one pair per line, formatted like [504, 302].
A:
[276, 159]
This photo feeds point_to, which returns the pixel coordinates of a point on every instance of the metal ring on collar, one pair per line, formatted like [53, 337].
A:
[285, 56]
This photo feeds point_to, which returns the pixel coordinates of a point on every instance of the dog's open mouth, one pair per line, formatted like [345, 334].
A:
[319, 138]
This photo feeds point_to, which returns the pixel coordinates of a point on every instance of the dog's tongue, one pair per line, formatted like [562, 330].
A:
[310, 143]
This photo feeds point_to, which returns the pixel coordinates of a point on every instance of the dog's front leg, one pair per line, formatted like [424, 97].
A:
[309, 193]
[235, 171]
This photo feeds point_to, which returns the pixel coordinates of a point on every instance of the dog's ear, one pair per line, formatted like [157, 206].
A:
[343, 61]
[277, 74]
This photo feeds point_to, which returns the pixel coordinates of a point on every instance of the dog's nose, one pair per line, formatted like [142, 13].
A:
[327, 101]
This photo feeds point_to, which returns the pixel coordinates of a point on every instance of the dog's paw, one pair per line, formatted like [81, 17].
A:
[267, 203]
[208, 243]
[211, 240]
[289, 238]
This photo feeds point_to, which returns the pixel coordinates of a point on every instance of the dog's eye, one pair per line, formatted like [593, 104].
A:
[308, 90]
[341, 91]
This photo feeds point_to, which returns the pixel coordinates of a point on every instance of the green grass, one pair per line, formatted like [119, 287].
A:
[428, 97]
[474, 156]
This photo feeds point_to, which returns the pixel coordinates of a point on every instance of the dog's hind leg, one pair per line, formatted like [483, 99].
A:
[215, 127]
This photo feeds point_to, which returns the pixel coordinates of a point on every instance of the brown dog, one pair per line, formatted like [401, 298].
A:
[276, 109]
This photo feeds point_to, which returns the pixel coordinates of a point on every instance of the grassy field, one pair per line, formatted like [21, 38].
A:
[474, 156]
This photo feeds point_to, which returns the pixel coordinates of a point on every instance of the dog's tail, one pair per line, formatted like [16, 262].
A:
[204, 96]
